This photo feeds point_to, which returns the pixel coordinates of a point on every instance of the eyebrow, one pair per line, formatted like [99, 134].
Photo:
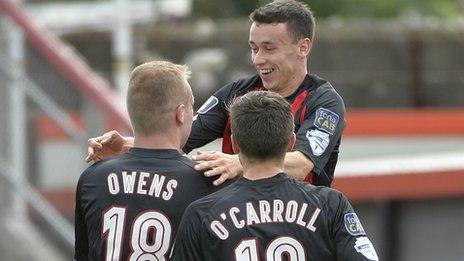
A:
[264, 43]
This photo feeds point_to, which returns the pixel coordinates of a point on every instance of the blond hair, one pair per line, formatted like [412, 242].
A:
[155, 89]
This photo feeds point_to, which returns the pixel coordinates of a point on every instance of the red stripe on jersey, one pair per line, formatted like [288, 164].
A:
[309, 177]
[226, 142]
[298, 102]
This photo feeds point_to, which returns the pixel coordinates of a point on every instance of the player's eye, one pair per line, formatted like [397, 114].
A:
[270, 48]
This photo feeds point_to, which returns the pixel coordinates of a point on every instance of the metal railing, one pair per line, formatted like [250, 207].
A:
[27, 192]
[73, 69]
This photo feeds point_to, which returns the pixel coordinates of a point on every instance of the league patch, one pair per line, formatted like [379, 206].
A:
[326, 120]
[318, 140]
[364, 246]
[353, 225]
[208, 105]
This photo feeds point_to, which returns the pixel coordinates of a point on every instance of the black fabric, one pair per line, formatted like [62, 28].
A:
[260, 224]
[208, 126]
[165, 183]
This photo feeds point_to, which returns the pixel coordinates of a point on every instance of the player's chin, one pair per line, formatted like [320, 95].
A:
[270, 85]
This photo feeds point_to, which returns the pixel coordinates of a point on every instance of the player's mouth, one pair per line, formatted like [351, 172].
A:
[265, 72]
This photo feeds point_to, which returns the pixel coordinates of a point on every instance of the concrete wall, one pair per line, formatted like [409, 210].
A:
[372, 64]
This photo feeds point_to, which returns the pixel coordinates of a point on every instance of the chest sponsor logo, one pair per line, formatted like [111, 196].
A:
[208, 105]
[353, 225]
[364, 246]
[326, 120]
[318, 140]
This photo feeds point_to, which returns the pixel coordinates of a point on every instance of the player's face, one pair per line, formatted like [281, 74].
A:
[277, 57]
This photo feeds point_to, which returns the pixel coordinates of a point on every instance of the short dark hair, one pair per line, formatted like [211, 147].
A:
[298, 16]
[262, 123]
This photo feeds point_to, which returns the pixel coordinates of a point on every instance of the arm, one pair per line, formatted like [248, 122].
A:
[318, 135]
[297, 165]
[350, 239]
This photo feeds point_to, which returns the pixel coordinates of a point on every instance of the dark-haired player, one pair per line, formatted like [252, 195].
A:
[266, 215]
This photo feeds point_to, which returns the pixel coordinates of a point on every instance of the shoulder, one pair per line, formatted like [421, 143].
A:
[187, 162]
[94, 169]
[91, 178]
[188, 165]
[209, 203]
[324, 89]
[98, 169]
[325, 96]
[325, 195]
[195, 178]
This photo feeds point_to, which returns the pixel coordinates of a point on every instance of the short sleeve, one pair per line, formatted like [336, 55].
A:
[350, 239]
[319, 134]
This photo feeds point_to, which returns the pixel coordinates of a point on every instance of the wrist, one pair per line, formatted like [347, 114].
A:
[128, 143]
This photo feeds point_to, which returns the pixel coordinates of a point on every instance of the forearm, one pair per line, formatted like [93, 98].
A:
[297, 165]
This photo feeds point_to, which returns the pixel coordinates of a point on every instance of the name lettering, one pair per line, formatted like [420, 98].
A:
[142, 183]
[275, 211]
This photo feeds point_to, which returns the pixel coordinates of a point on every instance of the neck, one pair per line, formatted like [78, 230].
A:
[294, 83]
[161, 140]
[262, 170]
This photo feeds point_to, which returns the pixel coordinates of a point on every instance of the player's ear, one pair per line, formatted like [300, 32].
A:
[180, 113]
[291, 143]
[235, 147]
[304, 47]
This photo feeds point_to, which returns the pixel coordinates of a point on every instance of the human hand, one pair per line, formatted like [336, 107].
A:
[217, 163]
[108, 145]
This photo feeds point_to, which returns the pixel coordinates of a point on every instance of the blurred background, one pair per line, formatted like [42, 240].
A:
[399, 65]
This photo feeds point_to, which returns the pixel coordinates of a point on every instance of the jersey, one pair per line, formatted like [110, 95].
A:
[319, 113]
[130, 207]
[270, 218]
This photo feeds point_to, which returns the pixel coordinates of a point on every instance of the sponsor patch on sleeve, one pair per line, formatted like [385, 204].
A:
[318, 140]
[364, 246]
[208, 105]
[353, 225]
[326, 120]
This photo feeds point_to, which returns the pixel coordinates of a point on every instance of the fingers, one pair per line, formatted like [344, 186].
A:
[205, 165]
[215, 172]
[108, 137]
[205, 155]
[90, 154]
[95, 143]
[220, 180]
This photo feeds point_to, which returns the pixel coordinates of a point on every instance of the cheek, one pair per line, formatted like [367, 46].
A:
[280, 59]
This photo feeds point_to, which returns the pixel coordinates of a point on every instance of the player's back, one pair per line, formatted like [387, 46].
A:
[271, 218]
[130, 207]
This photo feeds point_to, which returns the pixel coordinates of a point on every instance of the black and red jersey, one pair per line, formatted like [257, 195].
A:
[319, 122]
[129, 208]
[277, 218]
